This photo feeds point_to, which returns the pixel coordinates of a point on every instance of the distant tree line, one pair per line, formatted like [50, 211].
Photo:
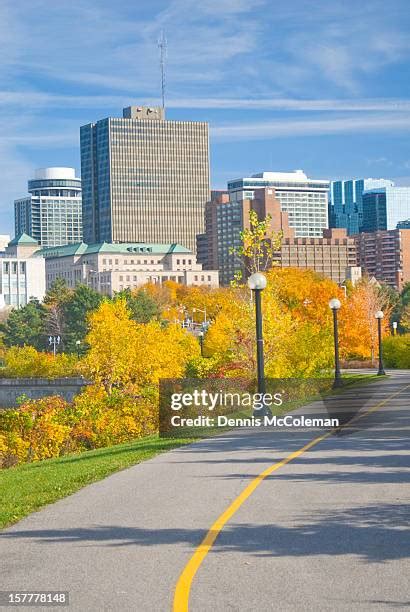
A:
[64, 313]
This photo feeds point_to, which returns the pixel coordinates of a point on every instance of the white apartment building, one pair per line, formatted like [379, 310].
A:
[109, 268]
[22, 274]
[304, 199]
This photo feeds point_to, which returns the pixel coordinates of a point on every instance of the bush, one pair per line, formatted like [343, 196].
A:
[50, 427]
[396, 351]
[26, 361]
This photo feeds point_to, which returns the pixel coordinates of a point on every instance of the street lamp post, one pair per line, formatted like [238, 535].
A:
[200, 310]
[78, 344]
[334, 305]
[379, 316]
[54, 341]
[394, 328]
[257, 283]
[201, 342]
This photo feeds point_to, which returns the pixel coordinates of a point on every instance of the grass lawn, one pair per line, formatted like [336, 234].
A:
[28, 487]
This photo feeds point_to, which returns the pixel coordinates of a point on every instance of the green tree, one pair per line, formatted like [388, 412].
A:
[82, 301]
[26, 326]
[141, 305]
[58, 292]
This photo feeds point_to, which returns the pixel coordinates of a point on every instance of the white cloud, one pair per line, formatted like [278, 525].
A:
[341, 125]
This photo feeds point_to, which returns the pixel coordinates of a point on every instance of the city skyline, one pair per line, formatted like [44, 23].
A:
[327, 93]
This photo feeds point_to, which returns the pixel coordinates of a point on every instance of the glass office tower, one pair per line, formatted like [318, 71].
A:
[385, 208]
[52, 214]
[346, 202]
[145, 179]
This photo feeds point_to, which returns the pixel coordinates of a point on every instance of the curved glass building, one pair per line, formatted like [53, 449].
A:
[52, 213]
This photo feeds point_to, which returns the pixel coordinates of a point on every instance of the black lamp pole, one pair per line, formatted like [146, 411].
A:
[381, 371]
[335, 305]
[257, 283]
[259, 341]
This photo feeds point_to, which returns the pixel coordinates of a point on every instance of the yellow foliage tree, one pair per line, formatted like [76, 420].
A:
[111, 339]
[131, 356]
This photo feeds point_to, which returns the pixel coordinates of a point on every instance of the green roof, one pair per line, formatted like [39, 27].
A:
[62, 251]
[139, 248]
[22, 239]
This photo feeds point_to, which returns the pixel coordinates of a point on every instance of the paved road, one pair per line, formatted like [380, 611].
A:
[327, 531]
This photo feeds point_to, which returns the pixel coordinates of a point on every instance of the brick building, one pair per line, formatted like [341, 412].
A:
[385, 255]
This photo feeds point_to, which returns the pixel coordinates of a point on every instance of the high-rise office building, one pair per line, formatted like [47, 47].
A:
[52, 213]
[385, 255]
[305, 200]
[385, 207]
[225, 219]
[346, 202]
[145, 179]
[333, 254]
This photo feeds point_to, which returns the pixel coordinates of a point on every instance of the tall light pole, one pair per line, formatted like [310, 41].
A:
[257, 283]
[78, 344]
[335, 305]
[200, 310]
[54, 341]
[394, 328]
[379, 316]
[201, 342]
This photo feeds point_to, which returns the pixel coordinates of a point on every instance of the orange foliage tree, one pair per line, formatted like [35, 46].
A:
[358, 325]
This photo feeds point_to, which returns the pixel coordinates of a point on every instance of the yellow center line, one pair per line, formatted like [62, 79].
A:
[183, 587]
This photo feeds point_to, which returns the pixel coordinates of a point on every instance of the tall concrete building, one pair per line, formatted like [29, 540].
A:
[385, 207]
[333, 254]
[346, 202]
[385, 255]
[145, 179]
[304, 199]
[52, 213]
[226, 218]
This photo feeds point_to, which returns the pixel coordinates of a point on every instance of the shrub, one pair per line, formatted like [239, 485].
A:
[50, 427]
[396, 351]
[26, 361]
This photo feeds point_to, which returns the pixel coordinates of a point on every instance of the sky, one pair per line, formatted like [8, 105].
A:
[284, 84]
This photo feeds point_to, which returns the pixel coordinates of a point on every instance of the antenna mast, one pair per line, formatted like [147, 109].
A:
[162, 45]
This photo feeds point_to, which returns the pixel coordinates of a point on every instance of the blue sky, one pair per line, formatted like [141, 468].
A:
[284, 84]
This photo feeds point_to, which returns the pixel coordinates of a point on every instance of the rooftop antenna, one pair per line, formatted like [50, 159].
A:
[162, 45]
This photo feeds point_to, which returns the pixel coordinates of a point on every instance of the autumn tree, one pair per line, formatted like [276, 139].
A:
[130, 356]
[259, 243]
[111, 338]
[358, 325]
[54, 301]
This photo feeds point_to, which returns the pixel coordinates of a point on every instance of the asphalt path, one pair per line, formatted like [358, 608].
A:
[329, 530]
